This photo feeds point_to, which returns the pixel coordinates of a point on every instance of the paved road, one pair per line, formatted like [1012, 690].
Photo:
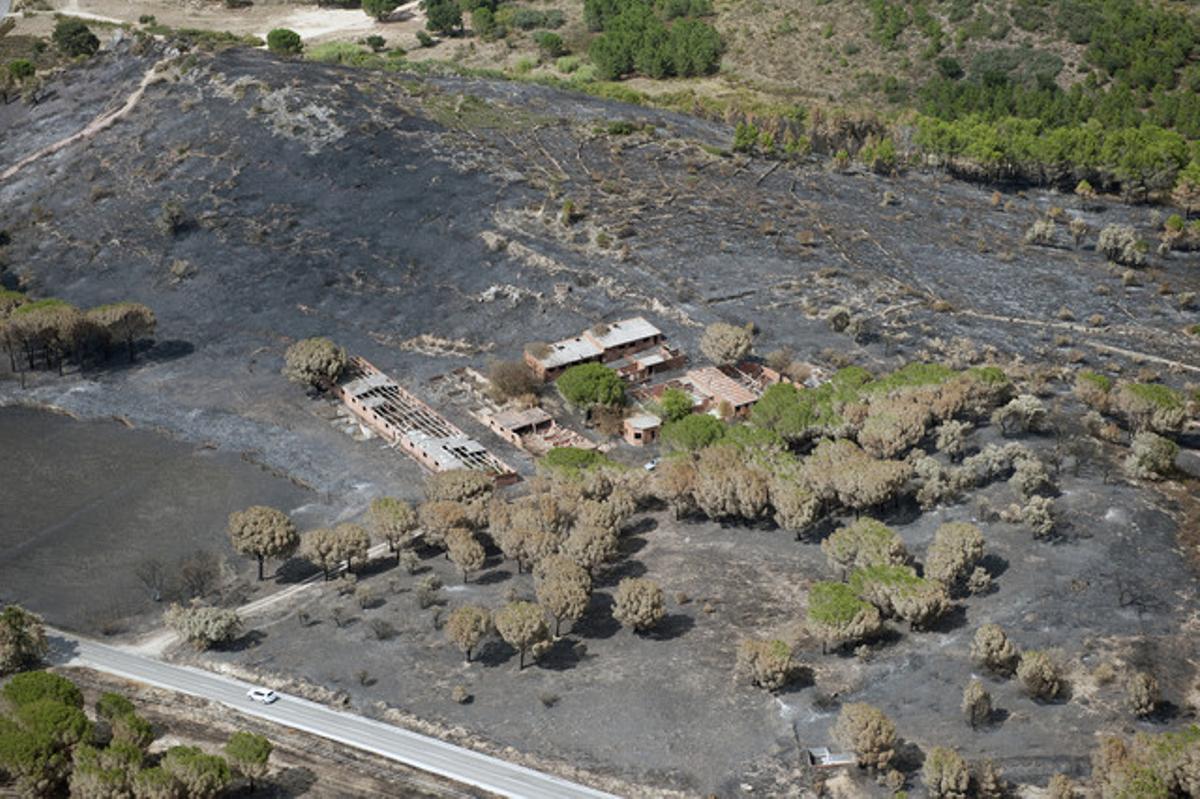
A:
[429, 754]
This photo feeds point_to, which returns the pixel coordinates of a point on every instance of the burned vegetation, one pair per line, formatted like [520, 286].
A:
[944, 529]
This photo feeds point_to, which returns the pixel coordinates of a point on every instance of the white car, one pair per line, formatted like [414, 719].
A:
[651, 465]
[264, 695]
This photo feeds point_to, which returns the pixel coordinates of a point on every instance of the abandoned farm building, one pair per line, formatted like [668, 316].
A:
[532, 429]
[402, 419]
[738, 386]
[606, 343]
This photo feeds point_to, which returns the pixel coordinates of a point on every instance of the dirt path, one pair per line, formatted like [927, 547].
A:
[1078, 328]
[72, 9]
[105, 120]
[157, 642]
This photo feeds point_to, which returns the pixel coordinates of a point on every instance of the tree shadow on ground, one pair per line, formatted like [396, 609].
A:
[900, 513]
[887, 637]
[908, 758]
[631, 545]
[562, 655]
[819, 531]
[248, 640]
[802, 678]
[995, 720]
[597, 621]
[294, 570]
[494, 653]
[994, 564]
[951, 620]
[493, 577]
[644, 525]
[671, 627]
[290, 782]
[619, 571]
[1165, 712]
[374, 567]
[158, 352]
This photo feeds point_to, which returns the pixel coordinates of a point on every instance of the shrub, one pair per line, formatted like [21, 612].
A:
[511, 379]
[23, 641]
[976, 703]
[73, 38]
[528, 19]
[590, 384]
[1093, 389]
[946, 774]
[725, 343]
[837, 615]
[1060, 787]
[865, 542]
[1039, 675]
[21, 69]
[442, 16]
[483, 21]
[1151, 457]
[955, 551]
[1042, 232]
[425, 40]
[1120, 244]
[745, 136]
[284, 42]
[638, 603]
[29, 687]
[204, 627]
[693, 432]
[1026, 414]
[1143, 694]
[767, 664]
[549, 44]
[866, 731]
[171, 218]
[380, 9]
[992, 650]
[676, 404]
[1151, 406]
[314, 362]
[572, 459]
[898, 591]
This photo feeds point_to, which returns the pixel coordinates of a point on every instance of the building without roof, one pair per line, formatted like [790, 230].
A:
[640, 366]
[401, 418]
[532, 430]
[739, 385]
[641, 429]
[603, 343]
[721, 389]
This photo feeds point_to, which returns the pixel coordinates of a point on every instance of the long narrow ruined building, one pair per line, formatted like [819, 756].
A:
[402, 419]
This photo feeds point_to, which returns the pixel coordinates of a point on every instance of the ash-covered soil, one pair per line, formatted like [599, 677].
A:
[664, 710]
[417, 221]
[89, 504]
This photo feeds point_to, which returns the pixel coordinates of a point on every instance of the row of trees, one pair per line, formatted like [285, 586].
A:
[51, 332]
[49, 744]
[1166, 764]
[579, 514]
[563, 591]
